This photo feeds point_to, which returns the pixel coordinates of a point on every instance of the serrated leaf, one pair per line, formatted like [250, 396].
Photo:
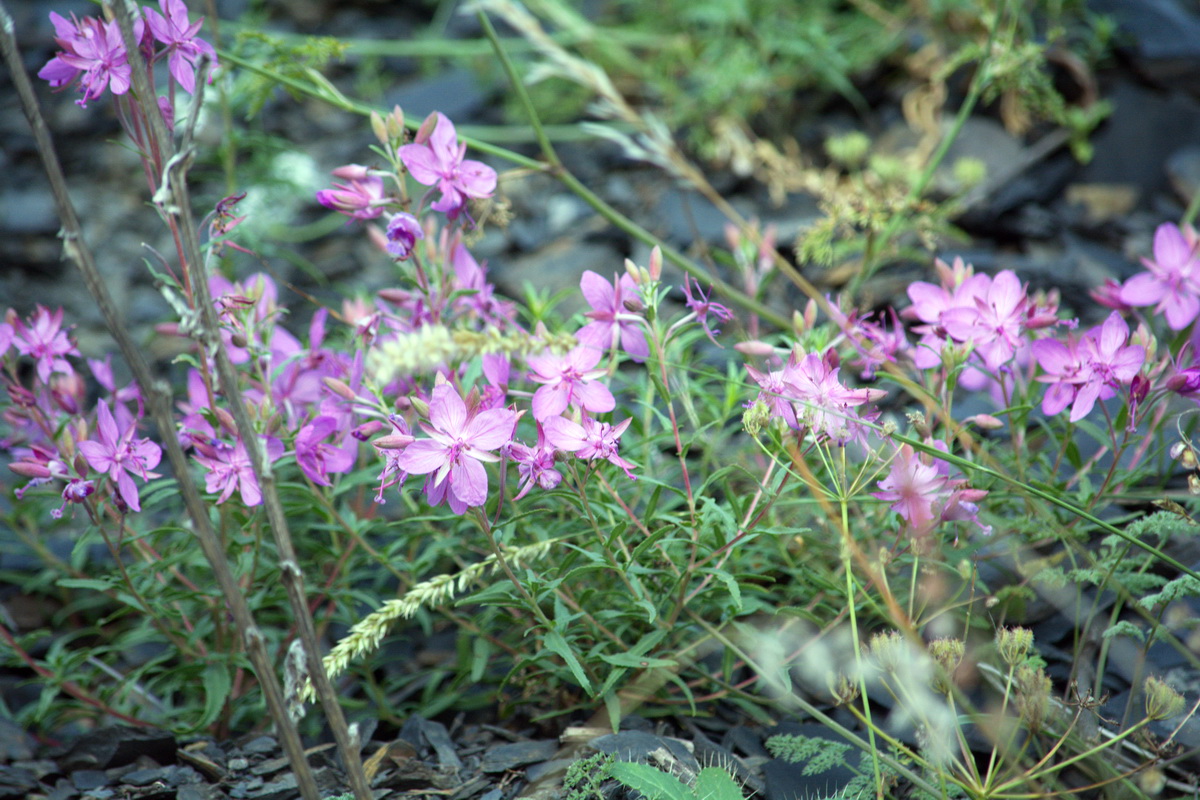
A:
[653, 783]
[713, 783]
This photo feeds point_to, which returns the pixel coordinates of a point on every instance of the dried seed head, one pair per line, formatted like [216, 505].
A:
[1014, 644]
[1032, 695]
[948, 654]
[1162, 702]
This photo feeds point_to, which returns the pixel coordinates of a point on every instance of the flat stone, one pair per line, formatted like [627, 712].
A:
[118, 745]
[510, 756]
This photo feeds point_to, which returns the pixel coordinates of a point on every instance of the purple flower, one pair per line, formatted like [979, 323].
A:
[1172, 282]
[93, 48]
[229, 468]
[117, 453]
[43, 338]
[318, 458]
[458, 444]
[589, 441]
[390, 447]
[611, 322]
[912, 487]
[702, 306]
[173, 29]
[403, 231]
[439, 160]
[1063, 368]
[77, 490]
[535, 464]
[359, 198]
[569, 380]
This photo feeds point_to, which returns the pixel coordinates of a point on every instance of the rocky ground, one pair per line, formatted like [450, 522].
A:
[1054, 221]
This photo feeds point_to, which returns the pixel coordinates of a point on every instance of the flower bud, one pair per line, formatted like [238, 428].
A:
[395, 123]
[368, 429]
[655, 267]
[29, 469]
[379, 128]
[338, 387]
[754, 347]
[426, 129]
[420, 405]
[986, 421]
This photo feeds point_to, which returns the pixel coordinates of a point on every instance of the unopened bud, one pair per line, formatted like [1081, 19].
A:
[28, 469]
[226, 420]
[986, 421]
[238, 340]
[637, 273]
[368, 429]
[655, 266]
[754, 347]
[338, 387]
[419, 405]
[1193, 484]
[379, 128]
[426, 129]
[395, 123]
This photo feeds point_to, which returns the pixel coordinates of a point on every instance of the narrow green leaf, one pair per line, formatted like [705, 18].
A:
[216, 690]
[556, 644]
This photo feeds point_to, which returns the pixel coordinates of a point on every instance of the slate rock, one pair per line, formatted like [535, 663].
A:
[118, 745]
[504, 757]
[1162, 37]
[85, 780]
[203, 791]
[16, 782]
[670, 755]
[15, 743]
[262, 746]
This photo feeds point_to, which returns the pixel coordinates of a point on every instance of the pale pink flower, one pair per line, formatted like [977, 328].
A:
[93, 53]
[316, 457]
[360, 197]
[702, 305]
[994, 324]
[229, 468]
[822, 404]
[569, 380]
[611, 321]
[458, 444]
[590, 440]
[1172, 280]
[535, 464]
[912, 487]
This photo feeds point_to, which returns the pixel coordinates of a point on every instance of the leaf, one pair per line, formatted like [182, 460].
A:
[653, 783]
[713, 783]
[216, 690]
[637, 662]
[85, 583]
[1125, 628]
[556, 644]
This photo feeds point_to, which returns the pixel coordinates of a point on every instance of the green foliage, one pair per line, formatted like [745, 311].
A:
[585, 777]
[712, 783]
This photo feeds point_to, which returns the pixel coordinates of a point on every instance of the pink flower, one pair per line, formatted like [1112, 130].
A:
[912, 487]
[318, 458]
[1172, 282]
[702, 306]
[439, 160]
[361, 197]
[611, 322]
[821, 402]
[458, 444]
[179, 36]
[994, 323]
[229, 468]
[403, 231]
[569, 380]
[93, 48]
[1082, 372]
[589, 441]
[117, 453]
[43, 338]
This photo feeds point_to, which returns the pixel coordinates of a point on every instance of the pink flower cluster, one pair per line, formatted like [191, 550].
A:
[92, 55]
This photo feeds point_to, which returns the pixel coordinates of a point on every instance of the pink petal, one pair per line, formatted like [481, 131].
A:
[422, 457]
[419, 161]
[564, 434]
[1171, 250]
[598, 292]
[447, 410]
[1143, 289]
[468, 481]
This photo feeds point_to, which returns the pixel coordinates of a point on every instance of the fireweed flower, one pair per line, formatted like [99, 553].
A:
[229, 468]
[1080, 373]
[568, 380]
[117, 453]
[922, 493]
[458, 444]
[994, 323]
[821, 402]
[390, 447]
[42, 337]
[590, 441]
[93, 53]
[403, 231]
[173, 29]
[440, 161]
[316, 457]
[535, 465]
[1172, 280]
[702, 306]
[361, 197]
[611, 322]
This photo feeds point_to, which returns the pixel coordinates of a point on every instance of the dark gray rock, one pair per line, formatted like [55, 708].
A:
[510, 756]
